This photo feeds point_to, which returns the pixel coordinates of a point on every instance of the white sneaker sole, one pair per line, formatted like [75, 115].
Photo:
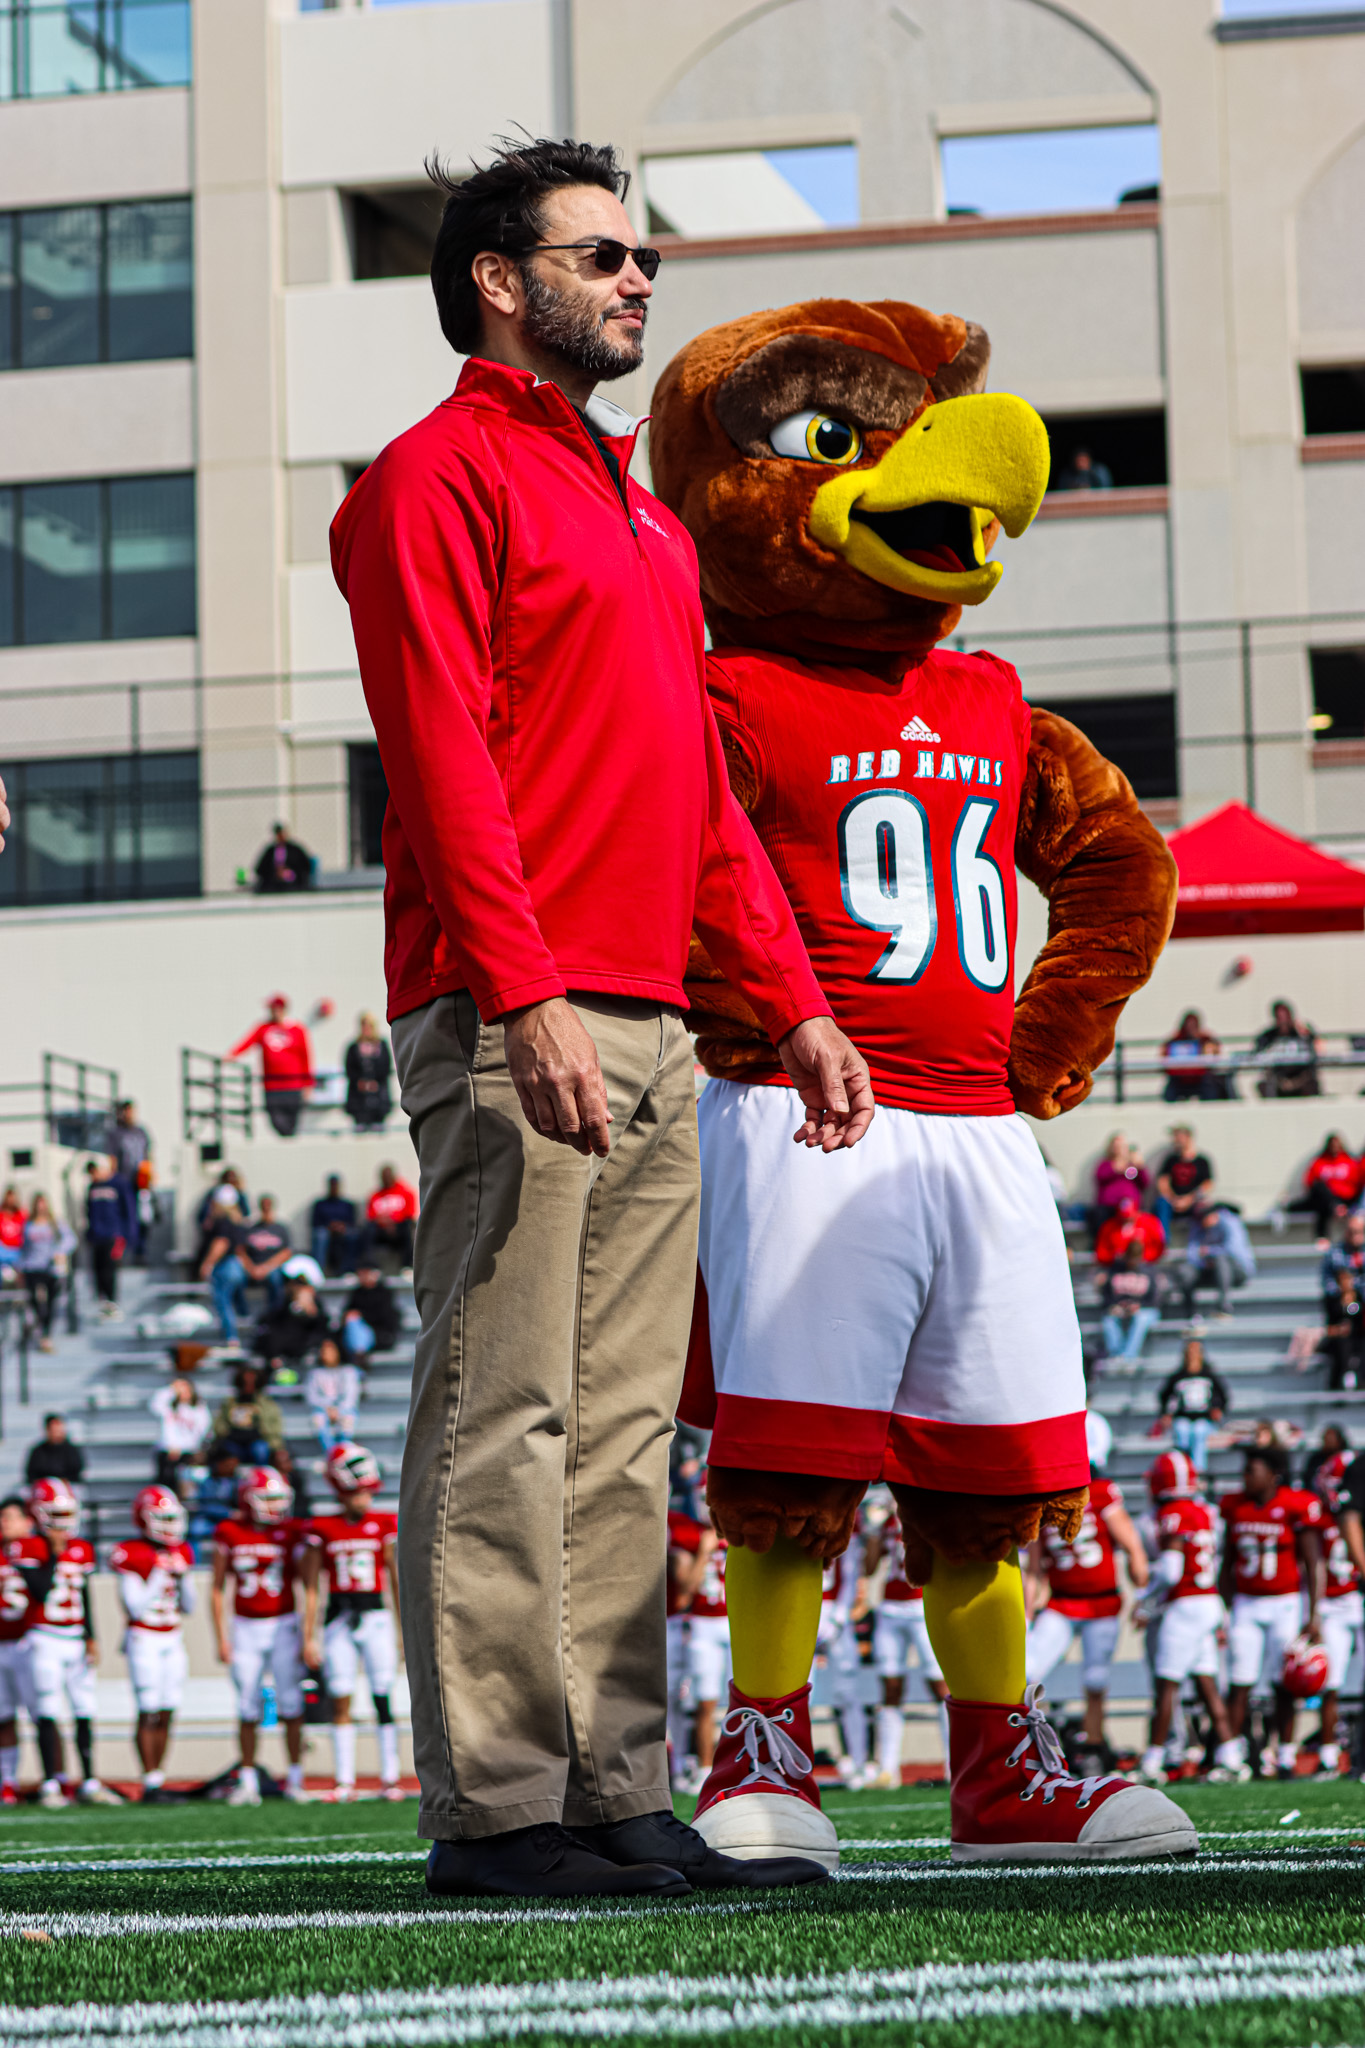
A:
[757, 1824]
[1132, 1825]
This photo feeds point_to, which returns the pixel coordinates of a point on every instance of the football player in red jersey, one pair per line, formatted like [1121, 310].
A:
[356, 1550]
[257, 1548]
[900, 1624]
[1342, 1612]
[701, 1596]
[26, 1569]
[1185, 1613]
[157, 1590]
[1272, 1556]
[62, 1648]
[684, 1540]
[843, 1599]
[1083, 1597]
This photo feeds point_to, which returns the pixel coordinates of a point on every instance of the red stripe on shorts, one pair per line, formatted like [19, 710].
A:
[798, 1436]
[996, 1458]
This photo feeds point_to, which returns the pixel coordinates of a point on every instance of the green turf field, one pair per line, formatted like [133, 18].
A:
[302, 1926]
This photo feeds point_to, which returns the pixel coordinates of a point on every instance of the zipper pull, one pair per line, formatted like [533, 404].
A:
[633, 527]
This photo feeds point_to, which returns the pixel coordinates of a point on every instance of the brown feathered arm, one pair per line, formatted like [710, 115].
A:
[1110, 882]
[730, 1040]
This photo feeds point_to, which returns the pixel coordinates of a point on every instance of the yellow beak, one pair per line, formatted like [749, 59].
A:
[986, 453]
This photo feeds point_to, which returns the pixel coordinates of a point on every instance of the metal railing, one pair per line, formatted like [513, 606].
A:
[75, 1101]
[216, 1096]
[1137, 1071]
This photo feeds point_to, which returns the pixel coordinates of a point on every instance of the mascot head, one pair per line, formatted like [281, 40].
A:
[844, 475]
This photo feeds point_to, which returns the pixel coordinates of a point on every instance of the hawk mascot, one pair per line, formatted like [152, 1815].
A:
[901, 1310]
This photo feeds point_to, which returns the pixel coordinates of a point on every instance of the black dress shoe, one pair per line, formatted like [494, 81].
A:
[161, 1795]
[663, 1838]
[545, 1862]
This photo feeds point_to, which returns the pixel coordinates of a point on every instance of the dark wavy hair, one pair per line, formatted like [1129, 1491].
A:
[499, 207]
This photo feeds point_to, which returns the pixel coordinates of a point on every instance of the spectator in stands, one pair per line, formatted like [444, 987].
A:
[1131, 1294]
[249, 1420]
[1184, 1178]
[1083, 473]
[283, 866]
[1291, 1048]
[1119, 1176]
[54, 1456]
[1187, 1056]
[242, 1254]
[296, 1476]
[1130, 1225]
[1194, 1401]
[263, 1248]
[332, 1225]
[286, 1064]
[1331, 1186]
[216, 1498]
[1346, 1257]
[1331, 1444]
[370, 1320]
[1219, 1257]
[369, 1065]
[288, 1334]
[332, 1391]
[12, 1221]
[45, 1256]
[128, 1141]
[390, 1215]
[1346, 1337]
[110, 1226]
[183, 1429]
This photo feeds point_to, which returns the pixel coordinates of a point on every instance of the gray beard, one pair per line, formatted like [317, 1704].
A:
[573, 333]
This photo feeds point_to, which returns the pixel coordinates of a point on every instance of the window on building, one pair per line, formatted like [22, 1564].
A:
[1334, 400]
[112, 559]
[1338, 692]
[101, 829]
[1126, 449]
[392, 230]
[1053, 170]
[752, 191]
[65, 46]
[1136, 733]
[95, 284]
[369, 798]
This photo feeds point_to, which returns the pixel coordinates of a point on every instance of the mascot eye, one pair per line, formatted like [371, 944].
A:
[816, 437]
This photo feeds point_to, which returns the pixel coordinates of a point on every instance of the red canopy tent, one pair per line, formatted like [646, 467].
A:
[1239, 874]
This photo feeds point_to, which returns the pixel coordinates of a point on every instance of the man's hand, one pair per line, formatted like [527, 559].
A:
[558, 1077]
[831, 1077]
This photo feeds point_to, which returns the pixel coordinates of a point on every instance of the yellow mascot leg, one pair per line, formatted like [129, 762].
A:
[773, 1600]
[975, 1617]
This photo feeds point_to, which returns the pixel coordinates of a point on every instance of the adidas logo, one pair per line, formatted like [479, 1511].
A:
[918, 730]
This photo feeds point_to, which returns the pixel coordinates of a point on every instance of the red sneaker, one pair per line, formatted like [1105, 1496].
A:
[1014, 1802]
[761, 1798]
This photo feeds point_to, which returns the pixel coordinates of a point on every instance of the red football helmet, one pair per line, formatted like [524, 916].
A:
[1172, 1477]
[1305, 1668]
[264, 1495]
[1327, 1479]
[160, 1515]
[54, 1507]
[352, 1469]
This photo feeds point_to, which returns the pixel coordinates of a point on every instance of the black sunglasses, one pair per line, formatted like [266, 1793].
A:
[610, 257]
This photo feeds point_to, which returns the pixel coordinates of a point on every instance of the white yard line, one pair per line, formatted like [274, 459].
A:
[178, 1847]
[248, 1860]
[666, 2004]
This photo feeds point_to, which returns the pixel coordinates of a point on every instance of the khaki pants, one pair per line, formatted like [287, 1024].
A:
[555, 1294]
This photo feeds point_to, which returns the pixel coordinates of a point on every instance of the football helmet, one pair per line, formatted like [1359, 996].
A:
[264, 1495]
[352, 1469]
[1327, 1479]
[1305, 1668]
[160, 1515]
[54, 1507]
[1172, 1477]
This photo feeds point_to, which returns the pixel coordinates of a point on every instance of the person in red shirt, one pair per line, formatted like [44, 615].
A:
[1076, 1592]
[900, 1624]
[1343, 1608]
[1272, 1554]
[530, 638]
[1331, 1186]
[12, 1221]
[701, 1597]
[684, 1540]
[389, 1217]
[1184, 1614]
[157, 1590]
[1127, 1226]
[286, 1064]
[62, 1649]
[26, 1571]
[258, 1549]
[356, 1550]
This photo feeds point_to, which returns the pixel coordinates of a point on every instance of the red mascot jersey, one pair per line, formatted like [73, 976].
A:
[1261, 1537]
[889, 812]
[1342, 1576]
[14, 1601]
[262, 1565]
[64, 1607]
[141, 1558]
[353, 1557]
[1189, 1527]
[1083, 1574]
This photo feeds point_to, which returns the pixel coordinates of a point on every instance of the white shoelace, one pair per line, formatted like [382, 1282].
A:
[1049, 1772]
[782, 1760]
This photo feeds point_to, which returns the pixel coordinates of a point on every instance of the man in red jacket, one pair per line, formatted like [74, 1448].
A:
[286, 1064]
[530, 638]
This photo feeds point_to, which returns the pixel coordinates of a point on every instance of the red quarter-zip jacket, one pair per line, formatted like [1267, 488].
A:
[530, 643]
